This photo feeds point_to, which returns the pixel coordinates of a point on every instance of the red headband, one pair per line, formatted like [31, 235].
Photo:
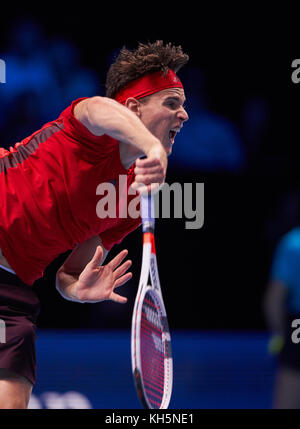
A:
[148, 84]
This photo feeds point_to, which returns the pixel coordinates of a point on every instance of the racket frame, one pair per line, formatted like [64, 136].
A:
[149, 267]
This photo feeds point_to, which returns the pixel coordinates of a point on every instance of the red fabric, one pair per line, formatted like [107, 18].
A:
[48, 194]
[148, 84]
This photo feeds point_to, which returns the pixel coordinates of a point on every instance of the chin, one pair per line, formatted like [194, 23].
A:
[168, 148]
[169, 152]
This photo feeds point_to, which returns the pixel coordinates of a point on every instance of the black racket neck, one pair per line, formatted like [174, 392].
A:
[148, 228]
[148, 213]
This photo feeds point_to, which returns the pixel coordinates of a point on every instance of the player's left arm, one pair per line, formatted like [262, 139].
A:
[83, 278]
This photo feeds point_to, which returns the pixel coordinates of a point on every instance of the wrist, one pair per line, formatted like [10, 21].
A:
[154, 147]
[72, 292]
[67, 288]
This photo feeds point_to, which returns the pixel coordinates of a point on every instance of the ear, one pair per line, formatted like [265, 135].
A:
[134, 105]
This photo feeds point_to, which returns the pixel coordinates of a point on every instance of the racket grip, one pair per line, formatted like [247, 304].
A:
[148, 212]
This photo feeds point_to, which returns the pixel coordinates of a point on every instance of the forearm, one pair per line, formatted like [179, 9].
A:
[68, 274]
[274, 306]
[275, 317]
[102, 115]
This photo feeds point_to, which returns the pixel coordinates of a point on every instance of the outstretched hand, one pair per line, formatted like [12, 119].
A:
[97, 283]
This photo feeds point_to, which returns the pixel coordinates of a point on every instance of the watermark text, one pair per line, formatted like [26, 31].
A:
[296, 332]
[2, 331]
[2, 71]
[185, 201]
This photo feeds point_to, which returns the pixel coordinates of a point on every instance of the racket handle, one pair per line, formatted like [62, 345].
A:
[148, 212]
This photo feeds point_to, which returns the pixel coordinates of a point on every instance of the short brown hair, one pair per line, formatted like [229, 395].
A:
[147, 58]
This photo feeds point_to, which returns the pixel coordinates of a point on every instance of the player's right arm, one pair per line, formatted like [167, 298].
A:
[103, 115]
[83, 278]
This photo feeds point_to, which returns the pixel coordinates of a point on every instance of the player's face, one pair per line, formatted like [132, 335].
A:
[163, 114]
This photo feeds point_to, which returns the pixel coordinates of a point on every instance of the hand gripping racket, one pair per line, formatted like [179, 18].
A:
[151, 354]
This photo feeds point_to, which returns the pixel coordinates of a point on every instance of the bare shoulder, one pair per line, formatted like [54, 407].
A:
[87, 112]
[79, 109]
[97, 101]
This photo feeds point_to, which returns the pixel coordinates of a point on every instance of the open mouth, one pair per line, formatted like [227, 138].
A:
[172, 135]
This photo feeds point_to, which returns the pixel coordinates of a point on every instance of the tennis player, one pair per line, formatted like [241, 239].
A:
[282, 310]
[48, 198]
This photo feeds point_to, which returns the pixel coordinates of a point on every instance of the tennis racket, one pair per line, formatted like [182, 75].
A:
[151, 354]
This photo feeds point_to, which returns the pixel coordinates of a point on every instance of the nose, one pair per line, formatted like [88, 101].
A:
[183, 116]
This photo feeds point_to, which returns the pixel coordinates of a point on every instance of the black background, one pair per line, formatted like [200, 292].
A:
[214, 277]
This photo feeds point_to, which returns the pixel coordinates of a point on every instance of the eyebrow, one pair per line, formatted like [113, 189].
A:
[177, 98]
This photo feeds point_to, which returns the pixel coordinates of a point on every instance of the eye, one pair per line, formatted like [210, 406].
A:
[172, 104]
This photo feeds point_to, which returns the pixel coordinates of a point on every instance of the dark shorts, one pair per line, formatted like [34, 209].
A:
[19, 308]
[290, 353]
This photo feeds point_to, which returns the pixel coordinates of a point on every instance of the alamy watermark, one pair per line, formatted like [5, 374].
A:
[2, 331]
[2, 71]
[188, 202]
[296, 333]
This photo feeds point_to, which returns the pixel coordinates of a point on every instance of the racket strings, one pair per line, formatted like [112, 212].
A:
[152, 351]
